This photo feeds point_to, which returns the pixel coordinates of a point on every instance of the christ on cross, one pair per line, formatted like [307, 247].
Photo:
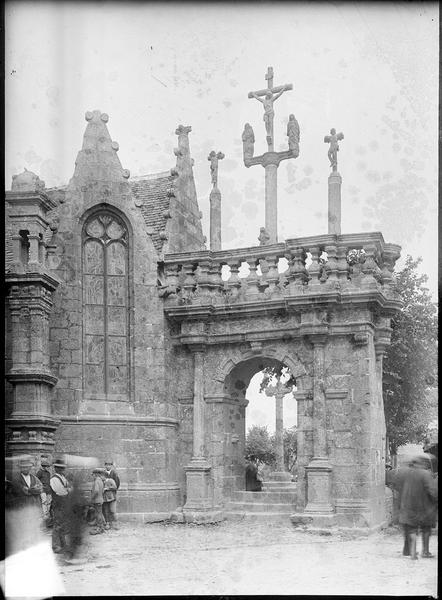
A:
[269, 113]
[267, 97]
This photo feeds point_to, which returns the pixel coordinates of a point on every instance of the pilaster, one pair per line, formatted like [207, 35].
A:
[199, 507]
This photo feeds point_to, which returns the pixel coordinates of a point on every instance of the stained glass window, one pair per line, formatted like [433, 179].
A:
[106, 303]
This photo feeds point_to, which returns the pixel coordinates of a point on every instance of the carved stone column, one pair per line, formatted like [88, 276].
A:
[334, 203]
[319, 469]
[215, 219]
[31, 423]
[29, 302]
[199, 502]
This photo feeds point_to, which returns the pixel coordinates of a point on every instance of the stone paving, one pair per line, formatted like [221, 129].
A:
[244, 558]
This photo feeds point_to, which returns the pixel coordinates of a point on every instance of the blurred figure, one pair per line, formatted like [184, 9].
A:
[44, 475]
[110, 507]
[417, 491]
[60, 491]
[29, 568]
[97, 499]
[26, 488]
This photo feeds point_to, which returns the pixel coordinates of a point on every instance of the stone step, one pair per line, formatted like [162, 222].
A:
[279, 476]
[279, 488]
[278, 496]
[268, 517]
[287, 508]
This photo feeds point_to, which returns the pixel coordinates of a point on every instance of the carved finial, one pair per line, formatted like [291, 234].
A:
[333, 150]
[214, 158]
[27, 182]
[183, 129]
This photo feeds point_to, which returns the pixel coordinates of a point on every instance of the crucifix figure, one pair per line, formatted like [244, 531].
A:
[279, 391]
[214, 158]
[333, 140]
[267, 97]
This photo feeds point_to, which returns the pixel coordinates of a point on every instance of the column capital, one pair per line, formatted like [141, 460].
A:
[318, 339]
[196, 347]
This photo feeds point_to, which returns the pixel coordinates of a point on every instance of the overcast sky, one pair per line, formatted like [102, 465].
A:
[369, 70]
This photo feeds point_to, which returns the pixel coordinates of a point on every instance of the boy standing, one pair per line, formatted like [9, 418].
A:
[44, 475]
[97, 490]
[111, 473]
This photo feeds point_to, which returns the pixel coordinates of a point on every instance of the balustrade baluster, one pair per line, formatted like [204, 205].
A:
[252, 279]
[216, 281]
[369, 267]
[332, 263]
[299, 273]
[189, 282]
[204, 282]
[272, 275]
[314, 269]
[234, 282]
[172, 278]
[343, 266]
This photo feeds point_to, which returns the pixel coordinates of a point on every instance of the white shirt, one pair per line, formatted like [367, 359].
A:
[57, 486]
[27, 478]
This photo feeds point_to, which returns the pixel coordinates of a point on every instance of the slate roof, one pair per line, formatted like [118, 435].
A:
[151, 194]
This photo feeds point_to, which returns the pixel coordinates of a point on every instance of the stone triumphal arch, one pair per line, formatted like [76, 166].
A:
[128, 338]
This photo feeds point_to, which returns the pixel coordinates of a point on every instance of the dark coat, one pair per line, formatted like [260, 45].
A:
[23, 494]
[45, 476]
[114, 475]
[417, 496]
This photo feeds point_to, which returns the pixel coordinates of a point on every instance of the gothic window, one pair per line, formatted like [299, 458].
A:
[106, 304]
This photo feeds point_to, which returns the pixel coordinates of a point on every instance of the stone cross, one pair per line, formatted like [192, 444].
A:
[333, 140]
[270, 95]
[270, 160]
[214, 158]
[279, 391]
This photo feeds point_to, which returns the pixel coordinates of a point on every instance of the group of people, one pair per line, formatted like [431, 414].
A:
[60, 500]
[417, 495]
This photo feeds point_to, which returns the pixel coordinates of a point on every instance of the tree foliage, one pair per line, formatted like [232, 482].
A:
[410, 365]
[259, 448]
[280, 372]
[290, 448]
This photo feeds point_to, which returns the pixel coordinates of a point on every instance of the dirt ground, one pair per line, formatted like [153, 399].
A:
[244, 558]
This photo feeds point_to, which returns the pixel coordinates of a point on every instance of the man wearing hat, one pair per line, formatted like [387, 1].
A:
[44, 474]
[26, 488]
[61, 489]
[110, 500]
[99, 475]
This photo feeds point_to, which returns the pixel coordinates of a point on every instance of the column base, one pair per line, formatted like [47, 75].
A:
[203, 517]
[314, 521]
[199, 485]
[319, 473]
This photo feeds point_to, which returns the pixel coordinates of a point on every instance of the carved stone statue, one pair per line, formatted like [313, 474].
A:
[214, 158]
[293, 134]
[333, 150]
[269, 113]
[264, 237]
[248, 141]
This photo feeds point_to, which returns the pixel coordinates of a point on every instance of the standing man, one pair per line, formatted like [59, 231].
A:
[97, 490]
[61, 489]
[417, 504]
[44, 475]
[112, 474]
[26, 488]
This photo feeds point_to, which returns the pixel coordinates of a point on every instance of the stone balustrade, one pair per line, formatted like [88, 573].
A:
[328, 267]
